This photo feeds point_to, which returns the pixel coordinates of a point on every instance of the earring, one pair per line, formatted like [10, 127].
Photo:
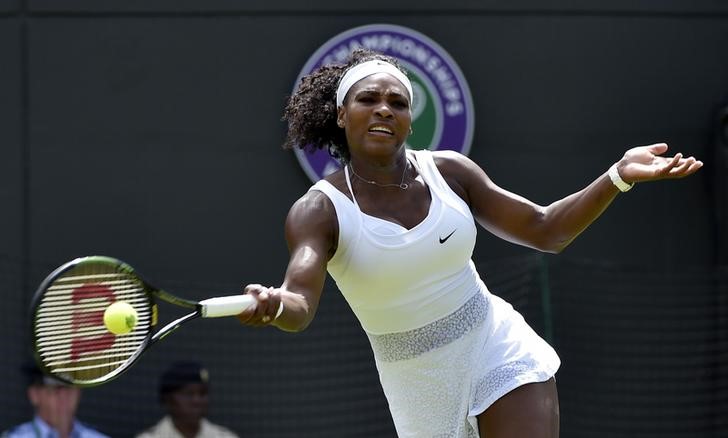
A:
[411, 131]
[340, 123]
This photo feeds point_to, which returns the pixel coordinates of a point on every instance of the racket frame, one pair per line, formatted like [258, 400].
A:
[151, 338]
[209, 308]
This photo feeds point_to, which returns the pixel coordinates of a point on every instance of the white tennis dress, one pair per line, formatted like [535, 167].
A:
[445, 347]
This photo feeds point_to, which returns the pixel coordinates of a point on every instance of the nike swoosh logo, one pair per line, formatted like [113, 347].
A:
[444, 239]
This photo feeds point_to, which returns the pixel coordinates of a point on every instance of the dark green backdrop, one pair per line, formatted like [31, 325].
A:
[150, 130]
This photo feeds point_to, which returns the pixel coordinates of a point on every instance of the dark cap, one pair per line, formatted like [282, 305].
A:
[180, 374]
[34, 375]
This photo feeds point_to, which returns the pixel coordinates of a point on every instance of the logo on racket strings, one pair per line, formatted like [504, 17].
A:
[80, 344]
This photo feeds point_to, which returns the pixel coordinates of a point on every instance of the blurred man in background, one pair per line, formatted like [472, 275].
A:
[55, 405]
[183, 392]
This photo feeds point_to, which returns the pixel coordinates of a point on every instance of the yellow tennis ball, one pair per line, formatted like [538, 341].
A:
[120, 318]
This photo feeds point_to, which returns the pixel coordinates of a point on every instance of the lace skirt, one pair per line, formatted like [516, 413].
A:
[439, 377]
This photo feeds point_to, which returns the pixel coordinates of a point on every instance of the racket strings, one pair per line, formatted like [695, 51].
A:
[71, 338]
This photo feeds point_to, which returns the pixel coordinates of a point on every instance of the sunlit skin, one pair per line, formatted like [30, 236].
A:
[311, 230]
[56, 405]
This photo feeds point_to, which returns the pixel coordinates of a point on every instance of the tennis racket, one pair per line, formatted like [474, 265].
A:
[70, 339]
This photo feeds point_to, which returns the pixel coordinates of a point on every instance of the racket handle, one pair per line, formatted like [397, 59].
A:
[225, 306]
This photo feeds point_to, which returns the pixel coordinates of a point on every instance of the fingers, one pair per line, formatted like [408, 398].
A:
[264, 311]
[678, 167]
[268, 302]
[681, 165]
[669, 166]
[685, 167]
[694, 167]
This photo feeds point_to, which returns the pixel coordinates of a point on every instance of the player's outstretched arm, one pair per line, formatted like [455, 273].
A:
[551, 228]
[311, 233]
[568, 217]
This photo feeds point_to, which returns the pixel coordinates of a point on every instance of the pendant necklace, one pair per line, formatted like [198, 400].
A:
[402, 185]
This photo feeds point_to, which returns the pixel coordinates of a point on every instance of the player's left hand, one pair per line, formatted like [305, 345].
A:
[646, 163]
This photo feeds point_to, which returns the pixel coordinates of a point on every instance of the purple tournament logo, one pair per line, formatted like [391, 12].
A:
[442, 108]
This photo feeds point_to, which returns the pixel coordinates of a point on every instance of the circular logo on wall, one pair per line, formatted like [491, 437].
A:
[442, 106]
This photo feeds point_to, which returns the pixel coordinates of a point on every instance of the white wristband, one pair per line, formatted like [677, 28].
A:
[617, 180]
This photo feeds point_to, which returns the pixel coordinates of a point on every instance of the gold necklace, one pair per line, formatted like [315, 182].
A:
[402, 185]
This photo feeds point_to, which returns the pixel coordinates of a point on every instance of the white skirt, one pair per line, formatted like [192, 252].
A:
[439, 377]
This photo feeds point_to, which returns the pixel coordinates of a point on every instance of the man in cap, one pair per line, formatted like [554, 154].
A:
[183, 392]
[55, 406]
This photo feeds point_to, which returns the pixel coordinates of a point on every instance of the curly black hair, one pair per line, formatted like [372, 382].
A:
[311, 111]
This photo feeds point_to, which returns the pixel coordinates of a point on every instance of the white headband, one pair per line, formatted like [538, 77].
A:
[360, 71]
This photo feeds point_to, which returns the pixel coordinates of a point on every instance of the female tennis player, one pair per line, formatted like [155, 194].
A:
[396, 229]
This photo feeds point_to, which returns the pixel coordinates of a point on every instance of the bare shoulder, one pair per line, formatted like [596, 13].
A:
[460, 172]
[312, 221]
[453, 163]
[313, 207]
